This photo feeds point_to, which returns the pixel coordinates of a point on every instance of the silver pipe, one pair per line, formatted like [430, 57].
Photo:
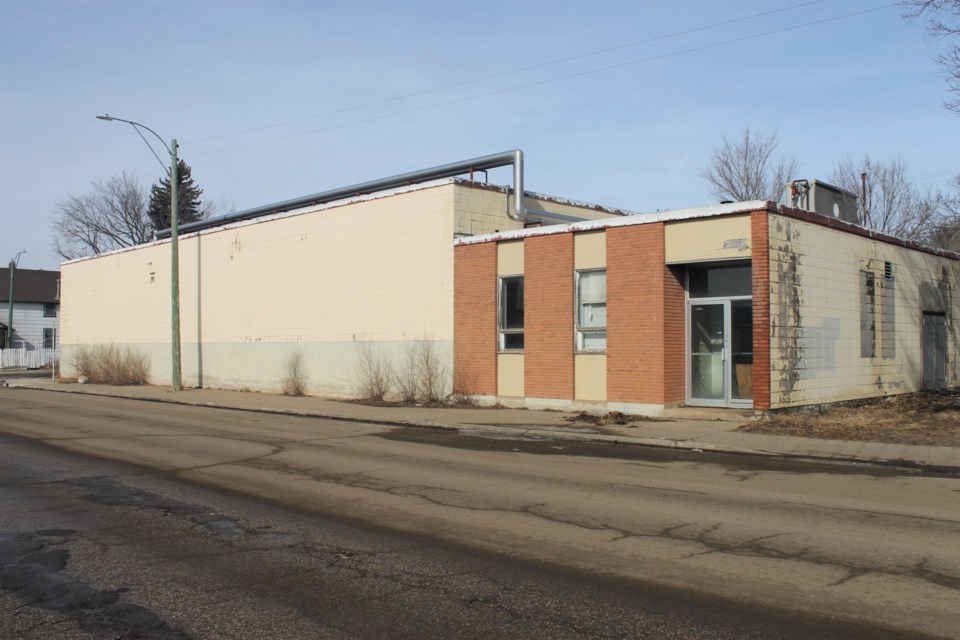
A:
[514, 157]
[550, 215]
[519, 210]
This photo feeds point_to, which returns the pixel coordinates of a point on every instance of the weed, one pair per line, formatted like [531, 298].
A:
[112, 364]
[375, 375]
[295, 378]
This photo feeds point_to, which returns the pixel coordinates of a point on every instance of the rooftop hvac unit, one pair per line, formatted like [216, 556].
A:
[825, 199]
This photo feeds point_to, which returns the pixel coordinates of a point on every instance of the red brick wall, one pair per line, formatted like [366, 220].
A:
[548, 316]
[475, 318]
[674, 336]
[759, 221]
[645, 361]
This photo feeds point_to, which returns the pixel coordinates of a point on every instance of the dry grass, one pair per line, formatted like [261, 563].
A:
[927, 418]
[111, 364]
[375, 375]
[295, 378]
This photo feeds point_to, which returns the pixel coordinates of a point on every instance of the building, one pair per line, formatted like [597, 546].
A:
[36, 309]
[326, 276]
[533, 300]
[746, 305]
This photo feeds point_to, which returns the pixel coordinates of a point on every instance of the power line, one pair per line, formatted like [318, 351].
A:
[508, 73]
[579, 74]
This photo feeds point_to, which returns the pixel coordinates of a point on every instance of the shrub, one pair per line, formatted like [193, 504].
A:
[112, 364]
[430, 372]
[463, 384]
[375, 375]
[295, 378]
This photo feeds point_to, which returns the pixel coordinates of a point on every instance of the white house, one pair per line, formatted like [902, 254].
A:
[36, 309]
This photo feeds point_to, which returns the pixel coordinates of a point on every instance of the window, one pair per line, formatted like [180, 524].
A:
[49, 310]
[511, 313]
[592, 310]
[49, 339]
[868, 315]
[720, 281]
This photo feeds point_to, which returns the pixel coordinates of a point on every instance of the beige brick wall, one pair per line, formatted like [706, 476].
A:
[815, 314]
[379, 270]
[484, 210]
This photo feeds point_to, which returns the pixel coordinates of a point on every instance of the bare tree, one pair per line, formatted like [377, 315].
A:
[113, 215]
[943, 22]
[745, 169]
[946, 233]
[893, 204]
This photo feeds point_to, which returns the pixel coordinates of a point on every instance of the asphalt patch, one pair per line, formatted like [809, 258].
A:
[33, 567]
[107, 491]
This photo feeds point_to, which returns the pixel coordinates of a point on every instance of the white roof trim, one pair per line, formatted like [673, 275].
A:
[625, 221]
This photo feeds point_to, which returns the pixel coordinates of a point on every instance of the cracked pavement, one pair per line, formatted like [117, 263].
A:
[861, 552]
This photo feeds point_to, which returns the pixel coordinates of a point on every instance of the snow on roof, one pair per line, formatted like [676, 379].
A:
[625, 221]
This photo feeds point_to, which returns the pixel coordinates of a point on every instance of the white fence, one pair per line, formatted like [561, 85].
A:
[29, 358]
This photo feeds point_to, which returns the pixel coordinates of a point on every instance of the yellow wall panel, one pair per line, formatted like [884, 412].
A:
[510, 258]
[722, 238]
[590, 250]
[591, 377]
[510, 375]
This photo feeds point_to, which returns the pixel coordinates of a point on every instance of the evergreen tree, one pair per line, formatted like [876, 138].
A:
[188, 199]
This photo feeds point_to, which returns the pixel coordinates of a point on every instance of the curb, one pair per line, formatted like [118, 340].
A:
[544, 432]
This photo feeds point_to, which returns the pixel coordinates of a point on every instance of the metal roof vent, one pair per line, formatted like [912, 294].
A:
[827, 200]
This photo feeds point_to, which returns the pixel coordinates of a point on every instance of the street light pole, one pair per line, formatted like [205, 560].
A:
[174, 248]
[175, 265]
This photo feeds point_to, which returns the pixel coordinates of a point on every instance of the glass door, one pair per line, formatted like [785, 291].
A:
[721, 353]
[708, 353]
[741, 352]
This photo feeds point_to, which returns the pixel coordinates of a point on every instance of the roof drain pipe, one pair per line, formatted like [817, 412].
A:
[519, 212]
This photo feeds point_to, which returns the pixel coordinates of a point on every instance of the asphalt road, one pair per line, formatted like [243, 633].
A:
[237, 524]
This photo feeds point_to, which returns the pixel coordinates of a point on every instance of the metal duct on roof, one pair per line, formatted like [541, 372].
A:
[492, 161]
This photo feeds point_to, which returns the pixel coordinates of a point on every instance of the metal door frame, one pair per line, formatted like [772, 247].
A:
[728, 401]
[943, 361]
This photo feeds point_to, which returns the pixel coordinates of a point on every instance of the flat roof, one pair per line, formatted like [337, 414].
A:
[625, 221]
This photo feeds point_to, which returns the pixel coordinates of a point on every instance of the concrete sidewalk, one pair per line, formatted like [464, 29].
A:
[691, 429]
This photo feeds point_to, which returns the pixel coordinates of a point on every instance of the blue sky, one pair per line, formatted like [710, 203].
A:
[272, 100]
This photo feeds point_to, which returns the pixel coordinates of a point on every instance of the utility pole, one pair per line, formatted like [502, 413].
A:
[174, 237]
[175, 265]
[13, 268]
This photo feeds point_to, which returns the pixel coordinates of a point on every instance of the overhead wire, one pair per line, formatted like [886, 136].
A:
[509, 72]
[529, 85]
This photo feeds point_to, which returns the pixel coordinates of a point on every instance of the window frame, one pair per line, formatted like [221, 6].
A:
[581, 332]
[502, 331]
[52, 306]
[49, 338]
[868, 313]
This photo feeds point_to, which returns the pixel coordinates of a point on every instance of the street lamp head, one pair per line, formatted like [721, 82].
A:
[106, 117]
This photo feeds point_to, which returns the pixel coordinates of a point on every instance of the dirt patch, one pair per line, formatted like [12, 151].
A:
[611, 418]
[927, 418]
[450, 404]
